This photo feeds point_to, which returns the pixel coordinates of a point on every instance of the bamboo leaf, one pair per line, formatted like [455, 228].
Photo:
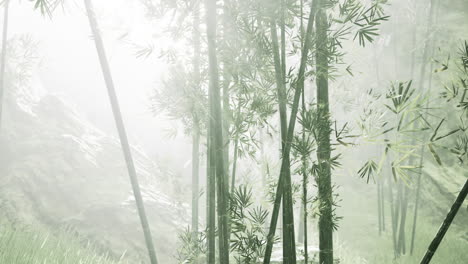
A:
[434, 154]
[446, 135]
[437, 129]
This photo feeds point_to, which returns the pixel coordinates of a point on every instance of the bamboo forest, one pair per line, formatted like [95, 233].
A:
[234, 131]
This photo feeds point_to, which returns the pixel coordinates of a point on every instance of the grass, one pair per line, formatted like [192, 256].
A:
[374, 249]
[363, 244]
[34, 246]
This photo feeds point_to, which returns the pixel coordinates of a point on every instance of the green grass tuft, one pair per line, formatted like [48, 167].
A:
[35, 246]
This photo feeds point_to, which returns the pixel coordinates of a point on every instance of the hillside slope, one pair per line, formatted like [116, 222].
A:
[58, 170]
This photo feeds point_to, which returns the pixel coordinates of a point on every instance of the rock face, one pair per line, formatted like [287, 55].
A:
[58, 170]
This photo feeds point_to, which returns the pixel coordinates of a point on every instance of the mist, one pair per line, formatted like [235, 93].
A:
[234, 131]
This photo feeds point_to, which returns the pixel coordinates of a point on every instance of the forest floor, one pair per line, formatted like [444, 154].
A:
[358, 239]
[36, 246]
[33, 245]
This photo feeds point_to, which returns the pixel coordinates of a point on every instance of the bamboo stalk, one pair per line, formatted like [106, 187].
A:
[445, 225]
[195, 178]
[289, 241]
[3, 57]
[225, 88]
[287, 148]
[121, 130]
[289, 255]
[323, 141]
[304, 187]
[402, 237]
[236, 150]
[210, 194]
[421, 160]
[398, 206]
[379, 210]
[217, 136]
[196, 125]
[304, 159]
[392, 214]
[382, 205]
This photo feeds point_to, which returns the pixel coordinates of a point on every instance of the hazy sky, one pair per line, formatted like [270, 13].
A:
[69, 66]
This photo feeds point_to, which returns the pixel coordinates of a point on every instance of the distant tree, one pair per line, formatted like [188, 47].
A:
[182, 97]
[428, 48]
[6, 5]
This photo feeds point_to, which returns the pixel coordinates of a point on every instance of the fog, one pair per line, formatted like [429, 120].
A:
[69, 66]
[235, 137]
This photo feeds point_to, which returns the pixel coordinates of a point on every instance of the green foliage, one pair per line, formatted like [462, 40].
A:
[180, 99]
[47, 7]
[248, 237]
[303, 146]
[335, 199]
[367, 19]
[22, 57]
[352, 17]
[253, 106]
[400, 95]
[34, 246]
[369, 170]
[192, 247]
[464, 56]
[454, 139]
[395, 122]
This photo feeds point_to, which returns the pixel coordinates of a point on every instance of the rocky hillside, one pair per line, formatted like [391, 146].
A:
[58, 170]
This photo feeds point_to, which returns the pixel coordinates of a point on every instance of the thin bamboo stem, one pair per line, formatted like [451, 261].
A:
[6, 5]
[287, 148]
[445, 225]
[121, 130]
[217, 136]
